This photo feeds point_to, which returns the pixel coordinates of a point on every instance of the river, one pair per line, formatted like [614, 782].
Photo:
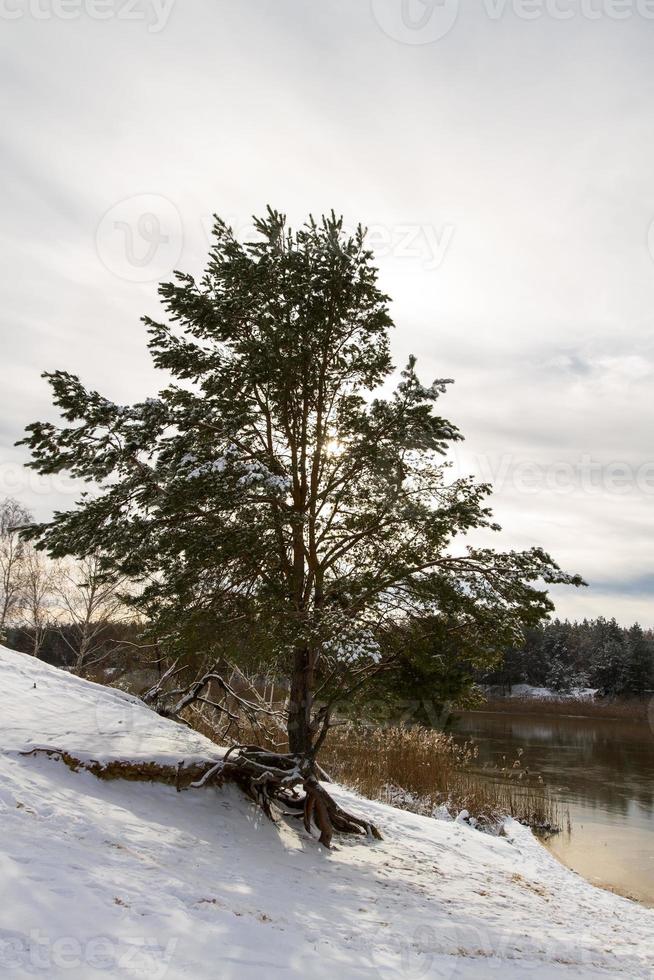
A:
[603, 772]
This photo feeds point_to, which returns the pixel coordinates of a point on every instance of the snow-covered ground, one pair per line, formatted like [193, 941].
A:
[128, 879]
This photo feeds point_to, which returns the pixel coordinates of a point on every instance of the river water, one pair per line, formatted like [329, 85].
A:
[603, 772]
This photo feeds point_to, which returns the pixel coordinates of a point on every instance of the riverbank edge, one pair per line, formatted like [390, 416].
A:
[641, 712]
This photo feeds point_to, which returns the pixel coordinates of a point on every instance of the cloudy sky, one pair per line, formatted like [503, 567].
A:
[500, 151]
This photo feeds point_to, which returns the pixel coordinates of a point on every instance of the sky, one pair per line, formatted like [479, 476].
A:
[501, 153]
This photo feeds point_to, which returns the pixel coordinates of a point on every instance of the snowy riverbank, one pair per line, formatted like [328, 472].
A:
[527, 692]
[131, 879]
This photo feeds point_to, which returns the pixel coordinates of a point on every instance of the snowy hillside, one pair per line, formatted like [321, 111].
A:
[127, 879]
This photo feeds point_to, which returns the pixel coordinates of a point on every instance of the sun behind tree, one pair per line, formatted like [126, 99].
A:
[269, 493]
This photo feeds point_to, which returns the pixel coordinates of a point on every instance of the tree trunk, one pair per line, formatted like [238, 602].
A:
[300, 735]
[271, 777]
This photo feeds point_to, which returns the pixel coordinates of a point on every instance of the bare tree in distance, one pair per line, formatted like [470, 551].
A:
[13, 551]
[92, 604]
[37, 603]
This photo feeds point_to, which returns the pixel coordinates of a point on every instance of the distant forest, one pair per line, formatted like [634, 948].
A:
[595, 653]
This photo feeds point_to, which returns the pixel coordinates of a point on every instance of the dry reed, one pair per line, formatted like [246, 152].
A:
[431, 773]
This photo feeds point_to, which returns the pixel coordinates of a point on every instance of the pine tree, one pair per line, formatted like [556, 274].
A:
[639, 674]
[558, 676]
[269, 488]
[610, 657]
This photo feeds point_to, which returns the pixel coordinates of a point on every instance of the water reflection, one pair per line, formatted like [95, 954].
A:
[603, 771]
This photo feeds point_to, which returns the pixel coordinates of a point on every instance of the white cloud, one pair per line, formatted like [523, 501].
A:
[521, 151]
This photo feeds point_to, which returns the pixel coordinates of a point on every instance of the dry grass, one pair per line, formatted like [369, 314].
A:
[426, 771]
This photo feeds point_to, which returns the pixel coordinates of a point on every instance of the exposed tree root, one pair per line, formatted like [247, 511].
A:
[330, 817]
[271, 779]
[274, 780]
